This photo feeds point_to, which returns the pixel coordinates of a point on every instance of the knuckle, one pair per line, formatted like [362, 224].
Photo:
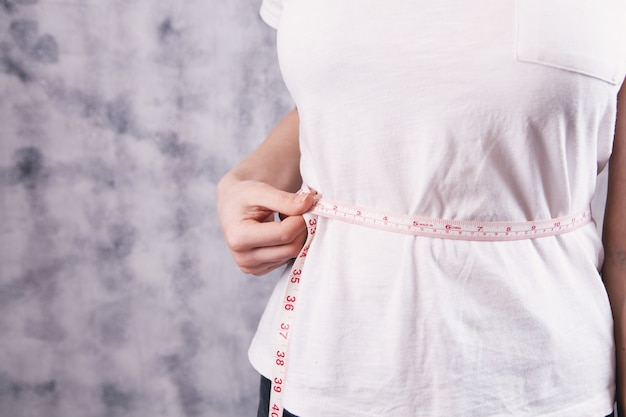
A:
[247, 266]
[285, 237]
[236, 243]
[254, 270]
[245, 269]
[244, 262]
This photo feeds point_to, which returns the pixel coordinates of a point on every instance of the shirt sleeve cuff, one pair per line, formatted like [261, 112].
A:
[270, 14]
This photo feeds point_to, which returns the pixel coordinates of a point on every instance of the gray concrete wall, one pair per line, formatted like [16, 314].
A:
[117, 118]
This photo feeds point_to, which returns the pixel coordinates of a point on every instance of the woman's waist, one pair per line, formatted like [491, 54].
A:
[471, 227]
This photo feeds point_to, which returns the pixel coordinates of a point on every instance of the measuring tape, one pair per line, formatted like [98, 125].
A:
[289, 305]
[398, 223]
[451, 229]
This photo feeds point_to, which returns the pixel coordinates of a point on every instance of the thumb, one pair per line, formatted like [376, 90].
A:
[303, 201]
[291, 204]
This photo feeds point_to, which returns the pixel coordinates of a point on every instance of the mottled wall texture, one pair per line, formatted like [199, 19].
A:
[118, 296]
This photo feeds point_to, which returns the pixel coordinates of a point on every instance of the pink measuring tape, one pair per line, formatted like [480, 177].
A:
[413, 225]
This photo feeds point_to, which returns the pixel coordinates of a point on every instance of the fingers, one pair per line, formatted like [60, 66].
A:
[259, 270]
[280, 201]
[263, 259]
[251, 234]
[257, 242]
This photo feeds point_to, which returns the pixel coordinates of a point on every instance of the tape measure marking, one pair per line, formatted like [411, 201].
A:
[451, 229]
[413, 225]
[290, 300]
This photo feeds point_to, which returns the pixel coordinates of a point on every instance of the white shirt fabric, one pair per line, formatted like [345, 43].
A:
[493, 110]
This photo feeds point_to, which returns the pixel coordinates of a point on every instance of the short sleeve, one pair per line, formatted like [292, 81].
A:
[270, 12]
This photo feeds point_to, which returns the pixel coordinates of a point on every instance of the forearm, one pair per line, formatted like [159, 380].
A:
[251, 193]
[276, 161]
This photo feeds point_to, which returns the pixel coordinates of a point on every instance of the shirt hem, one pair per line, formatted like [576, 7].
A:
[600, 405]
[310, 406]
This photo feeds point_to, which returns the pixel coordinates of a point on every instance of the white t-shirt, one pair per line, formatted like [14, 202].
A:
[494, 110]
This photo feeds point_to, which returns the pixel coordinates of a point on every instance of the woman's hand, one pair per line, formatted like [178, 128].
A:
[258, 243]
[252, 192]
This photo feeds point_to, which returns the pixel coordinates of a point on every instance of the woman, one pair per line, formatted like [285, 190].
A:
[492, 111]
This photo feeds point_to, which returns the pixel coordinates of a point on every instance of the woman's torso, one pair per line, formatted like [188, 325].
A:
[442, 109]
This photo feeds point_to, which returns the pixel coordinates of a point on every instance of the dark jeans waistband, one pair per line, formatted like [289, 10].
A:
[264, 400]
